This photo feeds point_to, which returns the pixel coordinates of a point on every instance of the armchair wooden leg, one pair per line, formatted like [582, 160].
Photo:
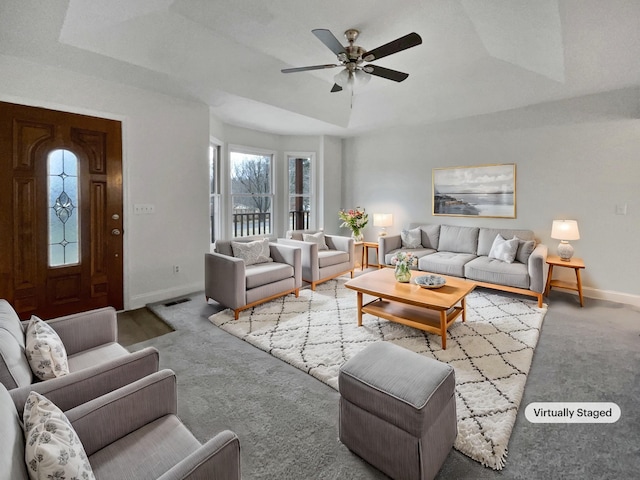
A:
[236, 314]
[313, 286]
[351, 273]
[297, 292]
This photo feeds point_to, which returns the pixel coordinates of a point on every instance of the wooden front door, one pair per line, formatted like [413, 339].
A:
[61, 211]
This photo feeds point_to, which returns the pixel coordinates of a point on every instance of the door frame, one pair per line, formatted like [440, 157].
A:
[126, 211]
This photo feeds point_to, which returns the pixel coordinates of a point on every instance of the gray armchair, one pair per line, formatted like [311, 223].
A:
[93, 353]
[130, 433]
[235, 285]
[319, 264]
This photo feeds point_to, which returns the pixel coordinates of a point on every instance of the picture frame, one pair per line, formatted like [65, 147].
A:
[477, 191]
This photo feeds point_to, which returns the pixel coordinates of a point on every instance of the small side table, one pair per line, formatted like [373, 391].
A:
[576, 263]
[365, 253]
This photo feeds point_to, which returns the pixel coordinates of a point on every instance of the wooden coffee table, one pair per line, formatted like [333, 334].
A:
[431, 310]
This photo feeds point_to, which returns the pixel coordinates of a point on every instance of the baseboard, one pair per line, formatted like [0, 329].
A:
[611, 296]
[139, 301]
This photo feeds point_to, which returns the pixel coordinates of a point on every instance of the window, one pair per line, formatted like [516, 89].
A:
[251, 193]
[300, 191]
[214, 190]
[62, 188]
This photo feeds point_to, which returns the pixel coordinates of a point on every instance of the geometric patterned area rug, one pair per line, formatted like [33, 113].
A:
[491, 352]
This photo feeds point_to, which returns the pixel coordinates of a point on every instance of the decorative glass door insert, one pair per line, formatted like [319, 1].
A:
[62, 186]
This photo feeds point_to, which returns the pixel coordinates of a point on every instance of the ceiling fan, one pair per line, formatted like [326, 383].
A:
[352, 57]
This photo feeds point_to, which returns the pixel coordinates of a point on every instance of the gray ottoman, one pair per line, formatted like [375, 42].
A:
[398, 410]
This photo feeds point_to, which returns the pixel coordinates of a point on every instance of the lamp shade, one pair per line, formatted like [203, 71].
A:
[565, 230]
[382, 219]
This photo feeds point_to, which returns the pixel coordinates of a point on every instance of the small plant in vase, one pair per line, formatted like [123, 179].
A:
[355, 219]
[404, 262]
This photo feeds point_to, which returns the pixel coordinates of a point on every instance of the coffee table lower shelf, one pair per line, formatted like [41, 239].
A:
[426, 319]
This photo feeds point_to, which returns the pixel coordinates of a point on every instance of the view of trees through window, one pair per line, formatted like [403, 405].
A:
[214, 190]
[251, 193]
[300, 182]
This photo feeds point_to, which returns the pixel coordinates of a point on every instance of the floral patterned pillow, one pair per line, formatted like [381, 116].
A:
[45, 352]
[53, 449]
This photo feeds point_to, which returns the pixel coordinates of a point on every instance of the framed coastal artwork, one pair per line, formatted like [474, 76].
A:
[480, 191]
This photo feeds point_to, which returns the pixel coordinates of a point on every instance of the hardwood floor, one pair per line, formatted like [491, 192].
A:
[138, 325]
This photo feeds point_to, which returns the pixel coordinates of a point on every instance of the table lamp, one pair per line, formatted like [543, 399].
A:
[565, 230]
[383, 220]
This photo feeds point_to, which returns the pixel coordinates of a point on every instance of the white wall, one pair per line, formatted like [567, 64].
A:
[575, 159]
[165, 162]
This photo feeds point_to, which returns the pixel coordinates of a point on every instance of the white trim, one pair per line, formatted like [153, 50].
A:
[610, 295]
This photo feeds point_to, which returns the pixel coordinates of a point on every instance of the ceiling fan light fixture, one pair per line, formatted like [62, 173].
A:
[362, 77]
[342, 77]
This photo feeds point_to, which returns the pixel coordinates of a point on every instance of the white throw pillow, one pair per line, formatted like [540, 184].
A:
[52, 449]
[252, 252]
[45, 352]
[316, 238]
[411, 238]
[504, 250]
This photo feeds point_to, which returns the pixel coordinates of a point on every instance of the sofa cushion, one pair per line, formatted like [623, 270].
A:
[486, 236]
[14, 367]
[332, 257]
[411, 238]
[316, 238]
[485, 269]
[223, 247]
[430, 236]
[416, 252]
[504, 250]
[265, 273]
[45, 351]
[458, 239]
[130, 456]
[53, 449]
[445, 263]
[95, 356]
[252, 253]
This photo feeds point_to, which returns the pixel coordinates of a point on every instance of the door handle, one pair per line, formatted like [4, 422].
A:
[115, 231]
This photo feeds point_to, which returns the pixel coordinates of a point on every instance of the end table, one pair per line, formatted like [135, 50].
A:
[576, 263]
[365, 254]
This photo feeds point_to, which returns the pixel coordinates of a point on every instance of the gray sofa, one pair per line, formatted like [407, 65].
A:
[464, 252]
[322, 264]
[94, 355]
[235, 285]
[132, 432]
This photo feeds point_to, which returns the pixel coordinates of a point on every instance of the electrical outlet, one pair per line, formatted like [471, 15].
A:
[176, 269]
[621, 209]
[144, 209]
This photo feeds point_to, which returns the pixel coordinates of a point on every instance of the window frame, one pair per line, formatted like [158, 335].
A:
[215, 197]
[240, 149]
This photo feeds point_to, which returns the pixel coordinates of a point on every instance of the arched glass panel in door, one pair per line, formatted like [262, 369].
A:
[62, 186]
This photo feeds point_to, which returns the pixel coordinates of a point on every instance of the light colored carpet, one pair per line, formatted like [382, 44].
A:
[491, 352]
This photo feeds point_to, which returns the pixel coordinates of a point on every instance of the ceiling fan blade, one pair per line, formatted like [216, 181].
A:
[387, 73]
[402, 43]
[336, 88]
[329, 39]
[312, 67]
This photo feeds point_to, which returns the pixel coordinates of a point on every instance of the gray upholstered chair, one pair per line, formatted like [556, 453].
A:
[235, 285]
[131, 433]
[90, 341]
[320, 264]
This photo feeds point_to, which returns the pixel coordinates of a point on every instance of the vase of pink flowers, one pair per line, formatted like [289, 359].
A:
[404, 262]
[355, 219]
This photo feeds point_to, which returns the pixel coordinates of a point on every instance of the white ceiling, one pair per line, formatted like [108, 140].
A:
[477, 56]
